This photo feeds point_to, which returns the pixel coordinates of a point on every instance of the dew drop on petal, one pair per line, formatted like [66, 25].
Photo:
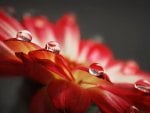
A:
[96, 69]
[24, 35]
[133, 109]
[143, 85]
[53, 47]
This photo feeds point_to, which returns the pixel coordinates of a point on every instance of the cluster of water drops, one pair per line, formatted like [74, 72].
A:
[141, 85]
[94, 69]
[51, 46]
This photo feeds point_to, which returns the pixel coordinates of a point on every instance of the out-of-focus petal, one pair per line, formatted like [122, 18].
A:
[126, 67]
[68, 97]
[6, 52]
[131, 95]
[94, 52]
[9, 63]
[11, 67]
[41, 29]
[108, 102]
[35, 70]
[125, 72]
[3, 34]
[41, 103]
[68, 35]
[9, 25]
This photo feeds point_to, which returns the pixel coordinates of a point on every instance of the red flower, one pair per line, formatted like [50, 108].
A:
[70, 82]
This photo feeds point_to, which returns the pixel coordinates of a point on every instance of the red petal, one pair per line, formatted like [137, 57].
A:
[11, 67]
[40, 69]
[86, 80]
[94, 52]
[6, 52]
[20, 46]
[42, 54]
[130, 67]
[35, 70]
[108, 102]
[64, 65]
[9, 63]
[125, 72]
[53, 62]
[3, 34]
[130, 94]
[41, 103]
[41, 28]
[126, 67]
[8, 25]
[69, 35]
[68, 96]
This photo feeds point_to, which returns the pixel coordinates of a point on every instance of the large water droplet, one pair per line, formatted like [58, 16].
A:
[24, 35]
[133, 109]
[53, 47]
[143, 85]
[96, 69]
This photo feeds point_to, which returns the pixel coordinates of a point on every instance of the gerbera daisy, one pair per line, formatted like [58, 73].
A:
[75, 73]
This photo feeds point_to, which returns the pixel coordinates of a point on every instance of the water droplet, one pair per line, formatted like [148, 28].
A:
[53, 47]
[133, 109]
[143, 85]
[24, 35]
[96, 69]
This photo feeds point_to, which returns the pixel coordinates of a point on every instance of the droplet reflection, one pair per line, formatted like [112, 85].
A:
[53, 47]
[143, 85]
[24, 35]
[96, 69]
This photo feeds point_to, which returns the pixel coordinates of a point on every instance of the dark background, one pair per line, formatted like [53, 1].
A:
[124, 26]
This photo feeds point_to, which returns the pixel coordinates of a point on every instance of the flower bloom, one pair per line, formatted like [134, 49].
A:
[84, 72]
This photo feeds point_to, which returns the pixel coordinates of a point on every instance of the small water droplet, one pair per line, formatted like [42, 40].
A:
[143, 85]
[24, 35]
[133, 109]
[96, 69]
[53, 47]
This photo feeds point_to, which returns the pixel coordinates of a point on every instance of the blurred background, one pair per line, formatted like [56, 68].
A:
[124, 25]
